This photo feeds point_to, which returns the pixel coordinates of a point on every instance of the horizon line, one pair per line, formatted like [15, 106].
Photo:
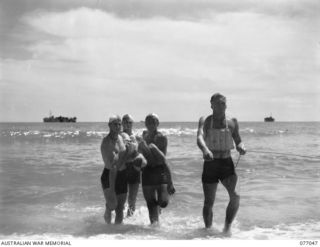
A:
[141, 121]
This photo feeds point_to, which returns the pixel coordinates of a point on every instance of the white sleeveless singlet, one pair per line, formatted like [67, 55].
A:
[219, 139]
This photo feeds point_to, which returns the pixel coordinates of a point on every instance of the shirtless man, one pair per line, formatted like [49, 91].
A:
[156, 177]
[216, 137]
[134, 164]
[113, 179]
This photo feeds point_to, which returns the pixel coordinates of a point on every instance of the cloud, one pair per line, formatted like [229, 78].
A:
[107, 59]
[172, 46]
[198, 9]
[190, 9]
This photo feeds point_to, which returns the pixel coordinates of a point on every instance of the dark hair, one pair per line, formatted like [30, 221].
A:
[217, 96]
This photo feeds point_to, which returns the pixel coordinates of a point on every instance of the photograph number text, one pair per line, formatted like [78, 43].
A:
[310, 243]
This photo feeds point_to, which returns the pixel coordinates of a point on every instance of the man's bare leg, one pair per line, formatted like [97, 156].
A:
[209, 191]
[107, 213]
[120, 207]
[132, 198]
[230, 184]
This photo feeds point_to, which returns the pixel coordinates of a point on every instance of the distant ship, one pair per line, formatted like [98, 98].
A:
[269, 119]
[60, 119]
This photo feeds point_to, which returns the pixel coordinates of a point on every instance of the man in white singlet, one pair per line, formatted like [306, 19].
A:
[216, 137]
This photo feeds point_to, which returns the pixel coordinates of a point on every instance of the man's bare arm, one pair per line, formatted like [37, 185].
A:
[236, 137]
[113, 159]
[200, 139]
[207, 154]
[107, 160]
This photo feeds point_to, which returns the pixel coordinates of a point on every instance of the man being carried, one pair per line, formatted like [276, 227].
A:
[135, 162]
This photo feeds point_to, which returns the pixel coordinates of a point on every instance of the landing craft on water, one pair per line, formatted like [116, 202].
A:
[269, 119]
[60, 119]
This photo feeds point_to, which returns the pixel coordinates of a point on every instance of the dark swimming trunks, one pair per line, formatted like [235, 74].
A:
[121, 181]
[154, 175]
[133, 176]
[217, 169]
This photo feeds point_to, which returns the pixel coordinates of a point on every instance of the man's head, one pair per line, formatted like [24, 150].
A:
[218, 104]
[152, 121]
[127, 122]
[115, 123]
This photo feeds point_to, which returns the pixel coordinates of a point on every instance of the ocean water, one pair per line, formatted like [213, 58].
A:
[50, 184]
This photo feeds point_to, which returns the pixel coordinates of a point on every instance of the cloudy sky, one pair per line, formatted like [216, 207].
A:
[94, 58]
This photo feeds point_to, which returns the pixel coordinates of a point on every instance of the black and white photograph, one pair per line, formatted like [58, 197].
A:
[159, 120]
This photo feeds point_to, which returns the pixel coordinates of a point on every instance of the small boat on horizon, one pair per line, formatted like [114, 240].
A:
[269, 119]
[60, 119]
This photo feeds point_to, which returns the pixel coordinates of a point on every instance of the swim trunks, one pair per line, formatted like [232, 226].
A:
[154, 175]
[217, 169]
[121, 181]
